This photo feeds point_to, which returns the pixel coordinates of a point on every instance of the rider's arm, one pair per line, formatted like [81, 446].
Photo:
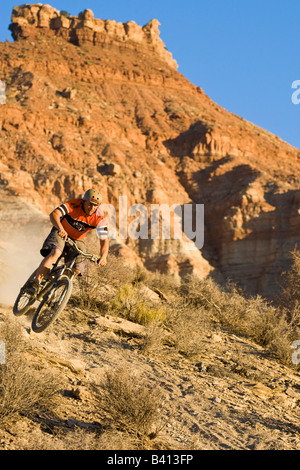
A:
[104, 246]
[55, 221]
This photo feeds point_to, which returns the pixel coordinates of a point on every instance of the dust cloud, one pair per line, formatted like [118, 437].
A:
[19, 257]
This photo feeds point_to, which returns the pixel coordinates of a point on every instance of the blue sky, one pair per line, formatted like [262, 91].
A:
[243, 53]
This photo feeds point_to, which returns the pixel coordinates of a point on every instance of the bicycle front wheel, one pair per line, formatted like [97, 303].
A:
[52, 305]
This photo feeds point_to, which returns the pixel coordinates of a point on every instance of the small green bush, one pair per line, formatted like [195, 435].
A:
[129, 304]
[65, 13]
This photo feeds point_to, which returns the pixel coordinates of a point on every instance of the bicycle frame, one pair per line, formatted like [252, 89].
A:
[51, 280]
[64, 269]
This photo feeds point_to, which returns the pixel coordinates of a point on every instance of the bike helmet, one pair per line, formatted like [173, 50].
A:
[93, 196]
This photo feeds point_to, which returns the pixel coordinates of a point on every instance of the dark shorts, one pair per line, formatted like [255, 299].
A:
[55, 241]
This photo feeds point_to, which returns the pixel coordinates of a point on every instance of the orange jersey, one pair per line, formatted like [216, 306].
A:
[77, 223]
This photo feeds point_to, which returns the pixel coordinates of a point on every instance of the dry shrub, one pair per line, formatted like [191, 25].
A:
[90, 293]
[222, 306]
[289, 301]
[290, 298]
[117, 272]
[189, 326]
[23, 389]
[154, 339]
[78, 438]
[167, 283]
[96, 286]
[129, 404]
[253, 317]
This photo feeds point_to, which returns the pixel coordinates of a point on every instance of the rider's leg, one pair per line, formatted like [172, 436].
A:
[46, 264]
[81, 262]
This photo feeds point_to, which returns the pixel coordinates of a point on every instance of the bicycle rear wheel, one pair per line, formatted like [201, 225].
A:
[24, 300]
[52, 305]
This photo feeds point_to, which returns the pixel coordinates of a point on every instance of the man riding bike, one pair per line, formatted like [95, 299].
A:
[73, 219]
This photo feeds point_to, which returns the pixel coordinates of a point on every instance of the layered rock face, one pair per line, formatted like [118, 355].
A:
[98, 103]
[29, 20]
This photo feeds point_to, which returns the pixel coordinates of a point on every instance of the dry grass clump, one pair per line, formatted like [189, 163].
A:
[253, 317]
[168, 283]
[129, 405]
[96, 286]
[189, 326]
[117, 272]
[290, 298]
[129, 408]
[90, 292]
[77, 438]
[23, 389]
[289, 301]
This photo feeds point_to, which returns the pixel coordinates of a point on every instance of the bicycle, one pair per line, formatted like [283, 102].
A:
[55, 289]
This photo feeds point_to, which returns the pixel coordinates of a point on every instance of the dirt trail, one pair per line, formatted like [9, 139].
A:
[235, 396]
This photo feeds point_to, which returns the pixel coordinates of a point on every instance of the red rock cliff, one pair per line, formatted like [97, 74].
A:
[94, 102]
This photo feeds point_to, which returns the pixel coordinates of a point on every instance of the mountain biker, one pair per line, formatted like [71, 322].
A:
[74, 219]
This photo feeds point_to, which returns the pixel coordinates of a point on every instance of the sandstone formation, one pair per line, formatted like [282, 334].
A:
[30, 20]
[95, 102]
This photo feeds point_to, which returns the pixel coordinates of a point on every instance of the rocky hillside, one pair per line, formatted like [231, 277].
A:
[187, 380]
[138, 360]
[94, 102]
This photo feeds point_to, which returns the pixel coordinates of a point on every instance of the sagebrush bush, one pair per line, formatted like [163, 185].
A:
[254, 317]
[290, 297]
[23, 388]
[89, 293]
[189, 325]
[129, 404]
[289, 300]
[95, 287]
[167, 283]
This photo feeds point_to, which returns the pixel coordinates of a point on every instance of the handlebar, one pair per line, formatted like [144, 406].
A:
[89, 256]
